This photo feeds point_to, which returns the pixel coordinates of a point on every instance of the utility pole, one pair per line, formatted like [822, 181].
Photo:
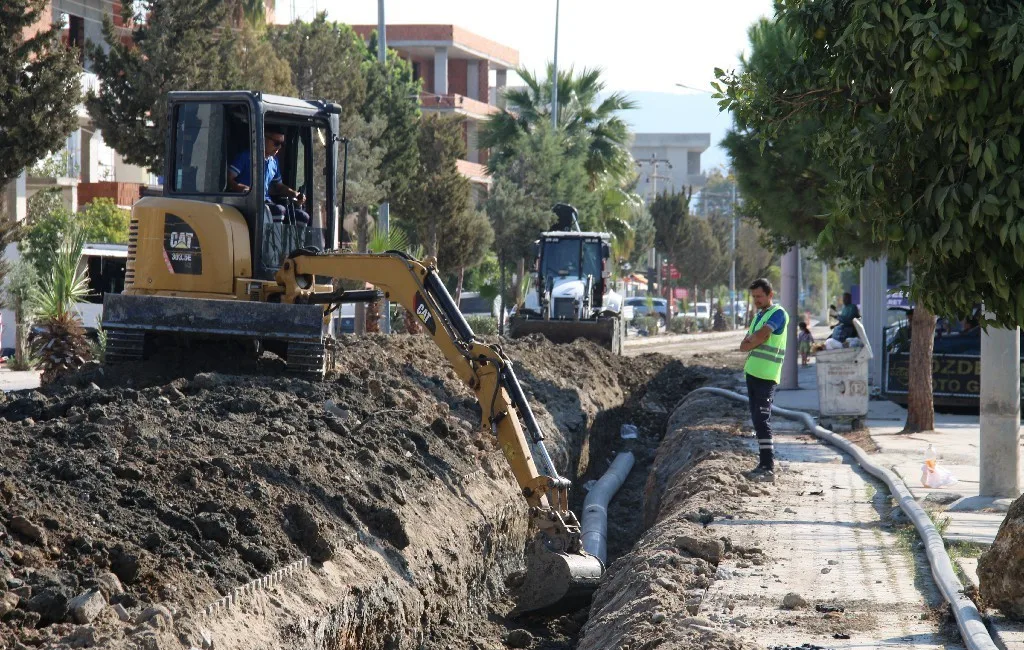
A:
[385, 207]
[652, 256]
[732, 252]
[790, 263]
[554, 81]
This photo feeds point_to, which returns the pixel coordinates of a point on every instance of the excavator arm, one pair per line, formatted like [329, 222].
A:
[560, 573]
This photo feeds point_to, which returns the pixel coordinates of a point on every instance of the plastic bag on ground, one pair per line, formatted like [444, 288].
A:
[934, 476]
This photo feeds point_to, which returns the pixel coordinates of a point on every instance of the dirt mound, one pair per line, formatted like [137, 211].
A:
[651, 596]
[180, 487]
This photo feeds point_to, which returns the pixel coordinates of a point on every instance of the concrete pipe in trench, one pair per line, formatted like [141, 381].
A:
[595, 506]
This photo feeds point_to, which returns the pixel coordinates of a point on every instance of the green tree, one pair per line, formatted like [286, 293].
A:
[47, 222]
[392, 93]
[172, 45]
[670, 213]
[39, 90]
[517, 223]
[589, 119]
[326, 60]
[463, 240]
[441, 191]
[103, 222]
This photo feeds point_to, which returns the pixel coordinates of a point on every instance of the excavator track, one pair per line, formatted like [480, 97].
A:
[124, 345]
[307, 359]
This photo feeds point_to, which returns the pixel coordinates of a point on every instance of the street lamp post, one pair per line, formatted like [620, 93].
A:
[554, 81]
[385, 207]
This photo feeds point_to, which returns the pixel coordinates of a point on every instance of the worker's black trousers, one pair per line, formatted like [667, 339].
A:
[761, 392]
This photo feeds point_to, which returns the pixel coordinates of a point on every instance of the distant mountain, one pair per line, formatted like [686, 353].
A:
[679, 113]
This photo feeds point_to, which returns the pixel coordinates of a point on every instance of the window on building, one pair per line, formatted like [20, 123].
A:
[693, 162]
[416, 70]
[73, 32]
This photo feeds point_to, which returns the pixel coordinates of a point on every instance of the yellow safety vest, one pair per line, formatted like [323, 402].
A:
[765, 361]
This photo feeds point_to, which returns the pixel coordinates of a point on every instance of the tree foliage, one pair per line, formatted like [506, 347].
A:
[50, 223]
[921, 117]
[441, 192]
[326, 60]
[180, 45]
[39, 88]
[590, 122]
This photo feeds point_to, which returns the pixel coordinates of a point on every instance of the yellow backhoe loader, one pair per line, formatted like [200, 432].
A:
[208, 262]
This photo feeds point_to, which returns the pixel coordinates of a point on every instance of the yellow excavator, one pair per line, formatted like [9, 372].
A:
[207, 262]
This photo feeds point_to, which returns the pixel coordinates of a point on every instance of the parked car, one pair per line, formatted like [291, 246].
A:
[639, 305]
[956, 362]
[701, 312]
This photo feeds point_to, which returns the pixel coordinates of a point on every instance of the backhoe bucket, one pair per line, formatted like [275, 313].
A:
[557, 582]
[606, 331]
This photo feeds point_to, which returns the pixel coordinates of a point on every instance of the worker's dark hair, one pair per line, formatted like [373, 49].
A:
[272, 130]
[763, 284]
[847, 298]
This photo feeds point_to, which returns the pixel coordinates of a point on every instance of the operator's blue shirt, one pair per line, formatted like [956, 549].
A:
[271, 172]
[777, 321]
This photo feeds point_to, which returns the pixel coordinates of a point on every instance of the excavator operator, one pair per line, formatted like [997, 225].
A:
[239, 178]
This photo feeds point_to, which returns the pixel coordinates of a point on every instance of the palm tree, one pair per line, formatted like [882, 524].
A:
[382, 241]
[591, 124]
[61, 346]
[252, 12]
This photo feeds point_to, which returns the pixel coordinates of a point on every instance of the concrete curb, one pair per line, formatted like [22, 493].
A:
[670, 339]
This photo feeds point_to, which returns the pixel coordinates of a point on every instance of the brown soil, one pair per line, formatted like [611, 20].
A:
[186, 484]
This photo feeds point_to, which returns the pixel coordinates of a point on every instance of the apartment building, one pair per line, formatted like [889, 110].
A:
[463, 73]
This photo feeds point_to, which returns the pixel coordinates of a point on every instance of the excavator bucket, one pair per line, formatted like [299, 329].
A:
[606, 331]
[557, 582]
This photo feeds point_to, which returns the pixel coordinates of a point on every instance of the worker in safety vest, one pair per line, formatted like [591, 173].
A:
[765, 344]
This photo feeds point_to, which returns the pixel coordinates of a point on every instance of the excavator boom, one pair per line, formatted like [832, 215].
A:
[560, 573]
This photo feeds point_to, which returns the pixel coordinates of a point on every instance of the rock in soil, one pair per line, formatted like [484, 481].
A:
[793, 600]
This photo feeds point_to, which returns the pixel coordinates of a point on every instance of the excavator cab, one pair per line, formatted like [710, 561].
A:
[202, 255]
[212, 133]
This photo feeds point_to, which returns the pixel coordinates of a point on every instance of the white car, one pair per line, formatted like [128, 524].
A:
[703, 313]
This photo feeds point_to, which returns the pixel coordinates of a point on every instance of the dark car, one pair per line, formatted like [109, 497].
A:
[639, 305]
[956, 363]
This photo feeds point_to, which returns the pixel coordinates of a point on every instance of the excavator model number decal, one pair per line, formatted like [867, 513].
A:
[423, 313]
[182, 251]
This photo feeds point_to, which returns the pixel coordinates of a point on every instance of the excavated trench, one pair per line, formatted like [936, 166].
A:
[175, 504]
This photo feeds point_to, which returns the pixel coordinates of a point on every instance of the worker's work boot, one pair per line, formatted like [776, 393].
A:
[761, 474]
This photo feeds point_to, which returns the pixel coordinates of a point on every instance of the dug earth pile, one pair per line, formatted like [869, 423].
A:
[166, 506]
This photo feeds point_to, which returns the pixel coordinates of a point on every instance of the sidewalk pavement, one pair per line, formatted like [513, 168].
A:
[972, 519]
[962, 516]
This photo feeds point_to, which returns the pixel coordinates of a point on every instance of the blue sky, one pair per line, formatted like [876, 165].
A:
[645, 48]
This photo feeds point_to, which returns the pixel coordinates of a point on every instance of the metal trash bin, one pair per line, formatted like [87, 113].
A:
[843, 381]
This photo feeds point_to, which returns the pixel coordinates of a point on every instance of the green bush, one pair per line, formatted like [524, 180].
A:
[682, 325]
[649, 324]
[483, 325]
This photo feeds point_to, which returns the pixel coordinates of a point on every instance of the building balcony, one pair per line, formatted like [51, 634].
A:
[455, 103]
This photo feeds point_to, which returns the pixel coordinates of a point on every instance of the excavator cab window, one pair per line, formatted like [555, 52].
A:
[560, 258]
[206, 137]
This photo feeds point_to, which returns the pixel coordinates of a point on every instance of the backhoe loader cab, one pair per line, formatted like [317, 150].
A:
[570, 296]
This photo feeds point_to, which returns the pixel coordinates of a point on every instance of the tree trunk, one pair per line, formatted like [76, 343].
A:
[458, 285]
[501, 298]
[920, 407]
[362, 225]
[432, 244]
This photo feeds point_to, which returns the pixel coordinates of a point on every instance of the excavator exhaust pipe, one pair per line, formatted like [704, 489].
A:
[557, 582]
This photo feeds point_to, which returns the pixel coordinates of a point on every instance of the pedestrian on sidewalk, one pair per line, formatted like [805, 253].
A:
[765, 344]
[806, 340]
